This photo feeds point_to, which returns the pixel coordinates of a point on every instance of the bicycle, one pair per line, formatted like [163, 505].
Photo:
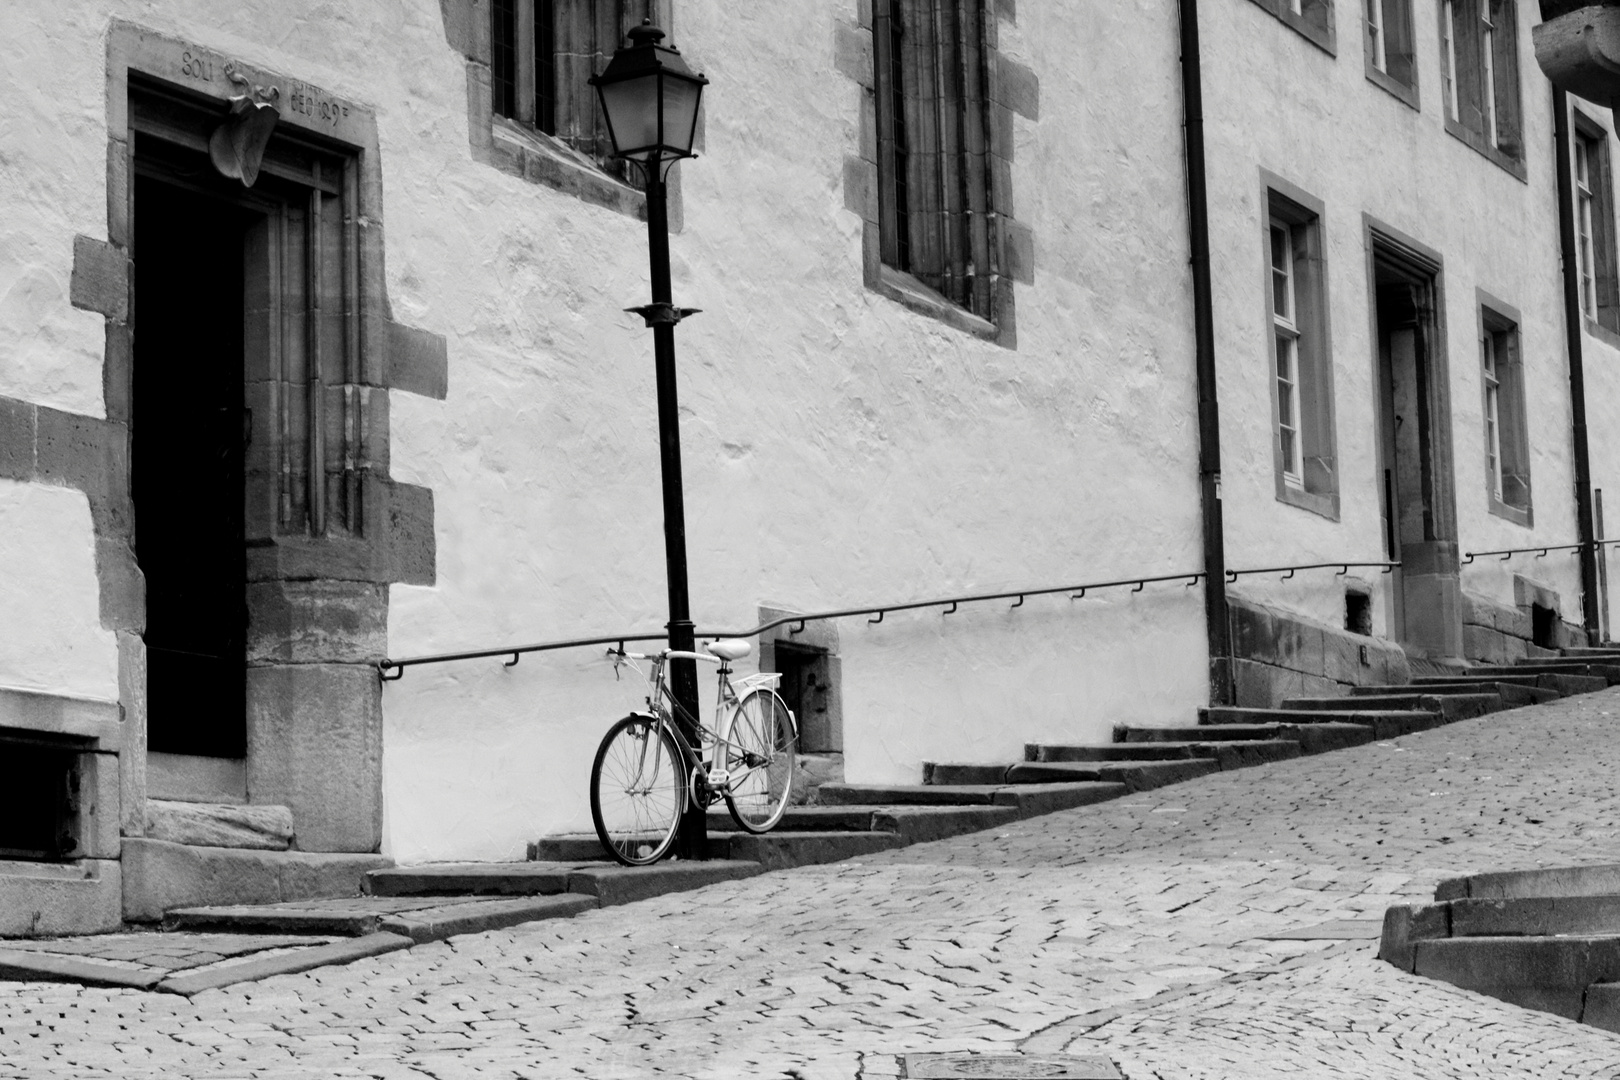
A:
[646, 773]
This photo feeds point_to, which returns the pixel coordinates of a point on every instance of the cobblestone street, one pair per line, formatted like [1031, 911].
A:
[1154, 930]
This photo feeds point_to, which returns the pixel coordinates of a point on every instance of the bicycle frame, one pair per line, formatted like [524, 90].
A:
[662, 707]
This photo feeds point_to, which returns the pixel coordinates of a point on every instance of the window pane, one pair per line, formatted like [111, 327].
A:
[503, 57]
[1282, 300]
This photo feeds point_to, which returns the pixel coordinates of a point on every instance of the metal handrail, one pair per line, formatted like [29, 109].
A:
[950, 603]
[1540, 550]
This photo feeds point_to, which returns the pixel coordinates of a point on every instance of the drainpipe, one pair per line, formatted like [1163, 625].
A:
[1577, 371]
[1216, 627]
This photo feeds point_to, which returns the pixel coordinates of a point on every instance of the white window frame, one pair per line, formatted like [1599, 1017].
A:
[1504, 423]
[1285, 332]
[1298, 348]
[1488, 54]
[1493, 411]
[1448, 73]
[1584, 199]
[1375, 31]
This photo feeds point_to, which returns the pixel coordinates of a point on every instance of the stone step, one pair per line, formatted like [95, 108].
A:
[1029, 800]
[802, 819]
[1610, 673]
[468, 879]
[1467, 678]
[780, 850]
[1599, 651]
[1512, 694]
[1135, 775]
[948, 773]
[419, 918]
[1452, 707]
[221, 825]
[1313, 738]
[1570, 685]
[1385, 724]
[159, 876]
[1549, 974]
[1597, 879]
[1232, 754]
[567, 848]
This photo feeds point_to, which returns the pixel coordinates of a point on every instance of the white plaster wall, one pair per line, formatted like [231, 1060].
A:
[53, 639]
[838, 449]
[1276, 101]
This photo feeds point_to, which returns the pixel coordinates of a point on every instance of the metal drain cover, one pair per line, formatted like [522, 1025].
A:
[1009, 1067]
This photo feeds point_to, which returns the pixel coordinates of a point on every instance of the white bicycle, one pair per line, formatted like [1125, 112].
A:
[647, 773]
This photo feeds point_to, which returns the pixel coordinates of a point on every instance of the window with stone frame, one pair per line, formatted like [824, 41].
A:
[1594, 225]
[1313, 19]
[1479, 78]
[936, 207]
[1507, 449]
[1302, 373]
[542, 56]
[1391, 62]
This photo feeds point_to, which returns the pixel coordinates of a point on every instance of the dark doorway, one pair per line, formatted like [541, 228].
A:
[1418, 498]
[188, 435]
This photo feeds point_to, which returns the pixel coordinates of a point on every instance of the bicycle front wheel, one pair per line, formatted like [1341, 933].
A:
[638, 787]
[762, 749]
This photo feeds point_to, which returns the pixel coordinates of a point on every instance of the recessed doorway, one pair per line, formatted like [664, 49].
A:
[189, 432]
[1417, 494]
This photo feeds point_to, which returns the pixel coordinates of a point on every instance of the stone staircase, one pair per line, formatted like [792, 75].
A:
[1142, 758]
[1542, 939]
[570, 872]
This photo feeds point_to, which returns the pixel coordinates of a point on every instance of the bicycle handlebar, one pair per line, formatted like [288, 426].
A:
[667, 654]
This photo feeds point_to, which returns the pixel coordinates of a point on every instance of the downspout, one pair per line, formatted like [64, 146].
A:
[1216, 627]
[1577, 371]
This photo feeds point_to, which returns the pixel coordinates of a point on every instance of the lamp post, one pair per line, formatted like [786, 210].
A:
[650, 98]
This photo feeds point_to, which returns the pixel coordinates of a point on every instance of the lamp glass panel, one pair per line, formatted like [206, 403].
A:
[680, 113]
[632, 112]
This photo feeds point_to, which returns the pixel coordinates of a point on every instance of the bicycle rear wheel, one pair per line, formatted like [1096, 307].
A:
[763, 748]
[638, 787]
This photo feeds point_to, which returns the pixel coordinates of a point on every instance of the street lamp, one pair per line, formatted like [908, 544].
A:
[650, 98]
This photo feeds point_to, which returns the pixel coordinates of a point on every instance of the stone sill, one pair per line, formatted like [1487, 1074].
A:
[1514, 166]
[97, 722]
[906, 290]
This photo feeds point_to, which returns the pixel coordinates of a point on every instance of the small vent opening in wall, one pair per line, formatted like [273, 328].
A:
[1544, 626]
[38, 800]
[806, 681]
[1358, 612]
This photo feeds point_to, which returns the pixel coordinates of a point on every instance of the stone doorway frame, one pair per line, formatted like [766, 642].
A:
[1431, 569]
[320, 624]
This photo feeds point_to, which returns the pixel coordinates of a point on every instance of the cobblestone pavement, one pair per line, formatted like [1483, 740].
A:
[1137, 929]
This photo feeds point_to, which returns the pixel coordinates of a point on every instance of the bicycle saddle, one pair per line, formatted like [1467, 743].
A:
[730, 649]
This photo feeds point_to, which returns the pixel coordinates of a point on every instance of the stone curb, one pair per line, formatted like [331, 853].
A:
[613, 885]
[468, 879]
[436, 924]
[338, 952]
[55, 967]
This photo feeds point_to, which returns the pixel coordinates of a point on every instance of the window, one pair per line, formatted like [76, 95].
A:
[1284, 304]
[1479, 77]
[934, 160]
[1302, 380]
[1390, 62]
[1312, 18]
[542, 55]
[1594, 226]
[1507, 451]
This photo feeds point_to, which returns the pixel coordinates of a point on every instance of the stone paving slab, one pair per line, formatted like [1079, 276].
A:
[1132, 929]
